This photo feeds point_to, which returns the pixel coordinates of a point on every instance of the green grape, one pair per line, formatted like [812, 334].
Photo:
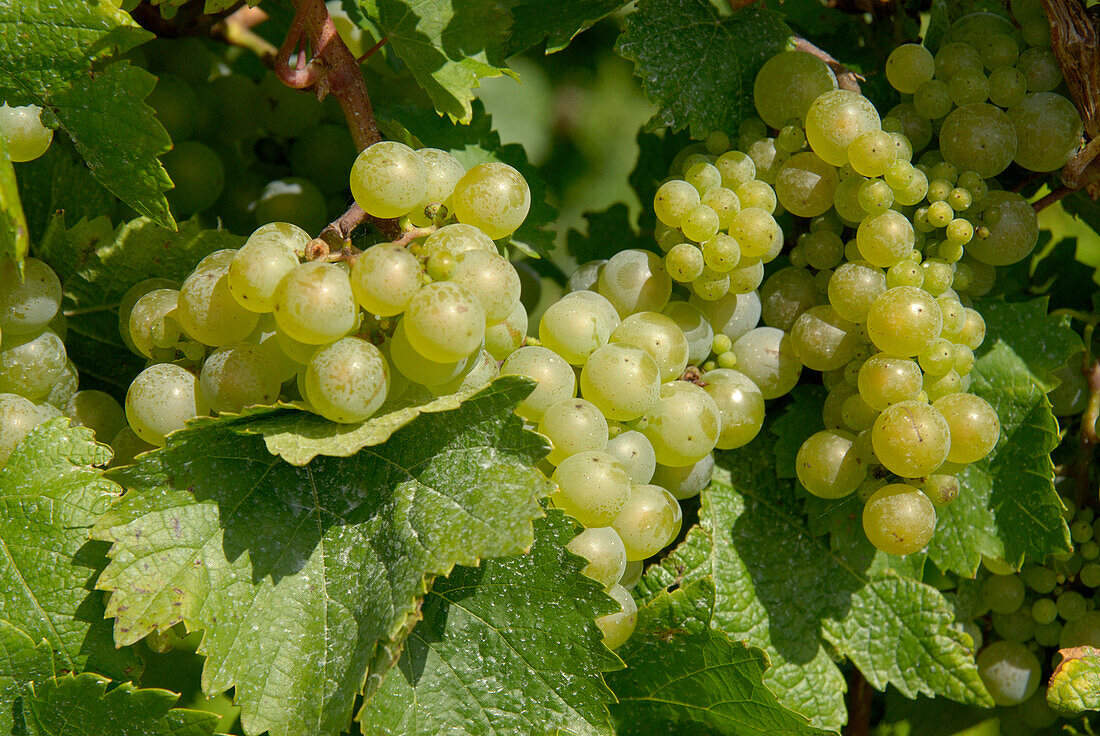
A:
[941, 489]
[700, 223]
[283, 366]
[1048, 131]
[507, 336]
[64, 386]
[1034, 25]
[635, 281]
[586, 276]
[455, 239]
[735, 168]
[829, 464]
[385, 278]
[622, 380]
[822, 339]
[415, 367]
[491, 279]
[97, 411]
[1007, 87]
[257, 268]
[130, 298]
[911, 439]
[696, 328]
[29, 364]
[744, 279]
[932, 99]
[657, 335]
[154, 327]
[572, 426]
[979, 137]
[1082, 631]
[721, 254]
[1040, 68]
[732, 315]
[766, 159]
[955, 57]
[347, 381]
[673, 200]
[914, 191]
[973, 424]
[905, 273]
[618, 627]
[853, 288]
[904, 321]
[683, 424]
[493, 197]
[238, 375]
[577, 325]
[916, 129]
[785, 295]
[824, 249]
[703, 176]
[835, 119]
[313, 303]
[717, 142]
[635, 453]
[445, 322]
[937, 387]
[442, 172]
[161, 399]
[198, 175]
[1009, 671]
[605, 553]
[18, 417]
[1044, 611]
[25, 137]
[323, 155]
[805, 186]
[999, 50]
[846, 202]
[647, 522]
[388, 179]
[875, 196]
[27, 305]
[554, 377]
[684, 262]
[725, 204]
[767, 356]
[885, 239]
[1070, 396]
[592, 487]
[886, 379]
[968, 87]
[740, 406]
[478, 372]
[757, 194]
[207, 311]
[1090, 574]
[972, 333]
[908, 67]
[1016, 626]
[975, 28]
[686, 481]
[1040, 579]
[899, 519]
[857, 413]
[791, 139]
[291, 112]
[872, 152]
[1080, 531]
[787, 84]
[632, 574]
[127, 446]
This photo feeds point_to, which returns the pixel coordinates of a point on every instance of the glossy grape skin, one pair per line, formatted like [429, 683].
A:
[262, 262]
[572, 426]
[207, 311]
[683, 424]
[766, 355]
[388, 179]
[635, 281]
[445, 322]
[733, 315]
[635, 452]
[492, 280]
[618, 627]
[238, 375]
[657, 335]
[785, 295]
[911, 439]
[555, 379]
[787, 84]
[415, 367]
[822, 339]
[385, 278]
[853, 288]
[454, 239]
[740, 405]
[492, 197]
[685, 481]
[622, 380]
[347, 381]
[442, 172]
[835, 119]
[885, 239]
[28, 306]
[29, 364]
[979, 137]
[647, 522]
[605, 553]
[18, 417]
[693, 323]
[153, 324]
[314, 303]
[974, 426]
[507, 336]
[829, 465]
[592, 488]
[898, 519]
[25, 137]
[904, 321]
[577, 325]
[887, 379]
[1009, 671]
[908, 67]
[1009, 232]
[805, 185]
[161, 399]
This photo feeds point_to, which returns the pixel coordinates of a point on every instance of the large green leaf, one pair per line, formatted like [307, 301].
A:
[1008, 507]
[50, 496]
[306, 579]
[698, 65]
[81, 705]
[57, 182]
[509, 647]
[1075, 684]
[782, 588]
[681, 671]
[14, 236]
[557, 22]
[52, 54]
[22, 662]
[608, 232]
[1045, 342]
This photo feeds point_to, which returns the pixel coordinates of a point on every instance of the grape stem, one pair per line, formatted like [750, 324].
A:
[860, 694]
[236, 30]
[845, 77]
[1053, 197]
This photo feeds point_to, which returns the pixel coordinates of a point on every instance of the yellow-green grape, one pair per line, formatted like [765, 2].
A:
[673, 200]
[572, 426]
[161, 399]
[972, 333]
[269, 254]
[618, 627]
[898, 519]
[911, 438]
[740, 406]
[822, 339]
[904, 321]
[701, 174]
[415, 367]
[908, 67]
[1040, 68]
[683, 424]
[585, 276]
[700, 223]
[555, 379]
[887, 379]
[388, 179]
[492, 197]
[758, 194]
[835, 119]
[806, 185]
[347, 381]
[933, 99]
[735, 167]
[916, 129]
[18, 416]
[25, 137]
[684, 262]
[745, 278]
[478, 372]
[283, 366]
[442, 172]
[622, 380]
[686, 481]
[941, 489]
[635, 281]
[507, 336]
[385, 278]
[647, 522]
[725, 204]
[766, 158]
[872, 152]
[577, 325]
[1008, 229]
[973, 424]
[605, 553]
[29, 364]
[787, 84]
[697, 330]
[238, 375]
[829, 464]
[491, 279]
[657, 335]
[936, 387]
[64, 386]
[130, 298]
[28, 302]
[1082, 631]
[154, 323]
[454, 239]
[733, 315]
[592, 488]
[445, 322]
[756, 232]
[635, 452]
[968, 87]
[785, 295]
[885, 239]
[767, 356]
[1010, 672]
[954, 57]
[846, 200]
[299, 352]
[314, 303]
[875, 196]
[979, 137]
[853, 288]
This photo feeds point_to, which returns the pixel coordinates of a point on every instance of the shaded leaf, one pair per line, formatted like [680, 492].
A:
[1044, 342]
[1075, 684]
[21, 662]
[556, 22]
[14, 235]
[800, 419]
[55, 183]
[608, 233]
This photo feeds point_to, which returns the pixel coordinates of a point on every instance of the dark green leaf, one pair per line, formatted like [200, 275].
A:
[697, 65]
[655, 152]
[22, 662]
[1069, 282]
[608, 233]
[556, 22]
[57, 182]
[14, 236]
[800, 419]
[932, 717]
[1075, 685]
[315, 572]
[509, 647]
[1045, 342]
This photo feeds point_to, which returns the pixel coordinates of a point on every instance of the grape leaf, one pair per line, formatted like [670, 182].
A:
[1045, 342]
[1075, 684]
[608, 233]
[681, 671]
[931, 717]
[505, 648]
[50, 497]
[312, 573]
[52, 54]
[21, 663]
[81, 704]
[800, 419]
[654, 154]
[557, 23]
[791, 597]
[447, 44]
[14, 236]
[1065, 278]
[697, 65]
[1084, 208]
[57, 182]
[473, 144]
[1008, 507]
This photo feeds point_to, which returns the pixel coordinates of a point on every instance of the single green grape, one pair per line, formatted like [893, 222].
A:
[239, 375]
[29, 364]
[898, 519]
[829, 464]
[635, 281]
[735, 168]
[161, 399]
[696, 328]
[622, 380]
[887, 379]
[904, 321]
[822, 339]
[577, 325]
[911, 438]
[388, 179]
[29, 302]
[908, 67]
[618, 627]
[635, 453]
[740, 406]
[348, 380]
[268, 255]
[554, 378]
[683, 424]
[605, 553]
[973, 424]
[385, 278]
[442, 172]
[415, 367]
[885, 239]
[1009, 671]
[835, 119]
[493, 197]
[767, 356]
[592, 487]
[979, 137]
[805, 185]
[686, 481]
[25, 137]
[445, 322]
[507, 336]
[787, 84]
[647, 522]
[314, 303]
[18, 416]
[572, 426]
[659, 336]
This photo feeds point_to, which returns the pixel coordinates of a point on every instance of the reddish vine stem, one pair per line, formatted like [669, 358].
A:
[371, 51]
[1053, 197]
[860, 695]
[236, 30]
[845, 77]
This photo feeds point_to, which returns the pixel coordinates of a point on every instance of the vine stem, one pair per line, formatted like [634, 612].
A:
[860, 695]
[1088, 430]
[1053, 197]
[845, 77]
[236, 30]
